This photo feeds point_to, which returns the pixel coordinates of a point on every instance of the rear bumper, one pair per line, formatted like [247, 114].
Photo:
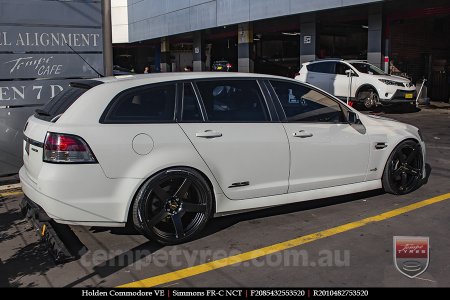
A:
[80, 194]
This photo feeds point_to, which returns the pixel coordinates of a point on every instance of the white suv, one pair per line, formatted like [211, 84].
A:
[367, 85]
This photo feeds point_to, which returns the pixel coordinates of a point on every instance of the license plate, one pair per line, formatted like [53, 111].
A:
[409, 96]
[219, 68]
[27, 147]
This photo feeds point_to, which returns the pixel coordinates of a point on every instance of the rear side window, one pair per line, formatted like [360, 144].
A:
[322, 67]
[143, 105]
[233, 101]
[60, 103]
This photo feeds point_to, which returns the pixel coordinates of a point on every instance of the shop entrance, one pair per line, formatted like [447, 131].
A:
[420, 47]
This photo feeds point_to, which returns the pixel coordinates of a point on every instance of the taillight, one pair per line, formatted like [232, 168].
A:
[67, 148]
[228, 65]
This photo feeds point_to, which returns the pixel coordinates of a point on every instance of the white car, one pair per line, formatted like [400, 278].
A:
[169, 151]
[359, 81]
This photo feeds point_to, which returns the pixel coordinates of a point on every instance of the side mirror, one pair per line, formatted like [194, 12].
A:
[355, 122]
[353, 117]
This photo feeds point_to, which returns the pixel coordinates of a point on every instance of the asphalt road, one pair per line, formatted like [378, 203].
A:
[357, 257]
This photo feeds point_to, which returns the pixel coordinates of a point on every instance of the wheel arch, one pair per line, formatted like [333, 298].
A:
[144, 181]
[395, 147]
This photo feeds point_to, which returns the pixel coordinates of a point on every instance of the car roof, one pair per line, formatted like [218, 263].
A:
[142, 79]
[336, 60]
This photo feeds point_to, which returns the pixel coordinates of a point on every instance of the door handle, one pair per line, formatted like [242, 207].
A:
[208, 134]
[302, 134]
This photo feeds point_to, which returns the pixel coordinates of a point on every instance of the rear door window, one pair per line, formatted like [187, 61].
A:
[341, 68]
[322, 67]
[233, 101]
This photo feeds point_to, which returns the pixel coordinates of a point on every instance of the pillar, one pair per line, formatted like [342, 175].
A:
[307, 38]
[245, 48]
[198, 52]
[374, 35]
[165, 55]
[157, 60]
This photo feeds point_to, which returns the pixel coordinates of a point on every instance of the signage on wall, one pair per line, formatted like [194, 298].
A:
[307, 39]
[37, 62]
[26, 38]
[29, 92]
[21, 66]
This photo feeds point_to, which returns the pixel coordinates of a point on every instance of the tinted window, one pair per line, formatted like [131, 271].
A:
[233, 101]
[63, 100]
[303, 104]
[154, 104]
[341, 68]
[191, 110]
[322, 67]
[368, 68]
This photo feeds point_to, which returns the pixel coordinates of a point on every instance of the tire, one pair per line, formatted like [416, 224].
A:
[173, 206]
[368, 98]
[403, 171]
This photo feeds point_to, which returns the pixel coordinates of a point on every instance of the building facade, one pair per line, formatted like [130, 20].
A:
[409, 38]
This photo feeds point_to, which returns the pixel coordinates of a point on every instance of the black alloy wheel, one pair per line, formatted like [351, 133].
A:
[173, 206]
[403, 171]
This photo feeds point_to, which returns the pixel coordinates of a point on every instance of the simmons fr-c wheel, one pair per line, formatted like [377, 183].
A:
[403, 171]
[173, 206]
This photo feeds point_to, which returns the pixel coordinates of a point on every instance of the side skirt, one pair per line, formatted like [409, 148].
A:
[226, 206]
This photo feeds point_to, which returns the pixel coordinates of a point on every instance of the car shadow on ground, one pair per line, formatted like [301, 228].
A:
[27, 259]
[222, 223]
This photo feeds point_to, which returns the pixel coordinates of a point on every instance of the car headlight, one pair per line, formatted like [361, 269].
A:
[391, 82]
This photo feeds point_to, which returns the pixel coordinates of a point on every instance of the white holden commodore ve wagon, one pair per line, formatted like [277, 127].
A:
[166, 152]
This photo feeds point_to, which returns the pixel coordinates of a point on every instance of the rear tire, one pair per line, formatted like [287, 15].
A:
[173, 206]
[403, 171]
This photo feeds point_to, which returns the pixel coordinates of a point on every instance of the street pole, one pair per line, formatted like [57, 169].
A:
[107, 38]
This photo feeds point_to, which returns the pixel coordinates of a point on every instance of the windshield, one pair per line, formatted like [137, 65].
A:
[367, 68]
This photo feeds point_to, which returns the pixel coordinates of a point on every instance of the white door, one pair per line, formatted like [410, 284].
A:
[247, 154]
[325, 150]
[341, 85]
[321, 75]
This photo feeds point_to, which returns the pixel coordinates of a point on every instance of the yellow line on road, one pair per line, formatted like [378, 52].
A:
[217, 264]
[7, 194]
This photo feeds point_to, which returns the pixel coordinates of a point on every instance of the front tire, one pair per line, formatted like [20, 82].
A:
[368, 98]
[403, 171]
[173, 206]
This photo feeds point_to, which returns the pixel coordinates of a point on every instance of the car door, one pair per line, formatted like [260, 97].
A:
[246, 152]
[321, 74]
[341, 82]
[325, 150]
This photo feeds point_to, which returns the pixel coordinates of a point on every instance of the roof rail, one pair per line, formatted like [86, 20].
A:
[330, 58]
